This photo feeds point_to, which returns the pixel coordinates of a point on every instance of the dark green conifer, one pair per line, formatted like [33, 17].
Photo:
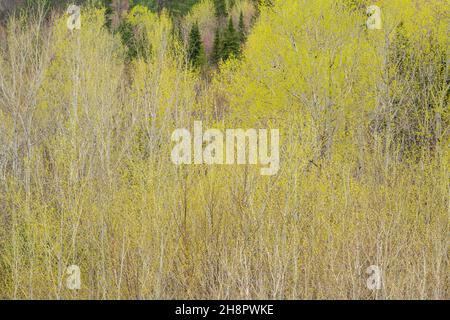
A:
[220, 8]
[216, 54]
[196, 51]
[241, 30]
[231, 43]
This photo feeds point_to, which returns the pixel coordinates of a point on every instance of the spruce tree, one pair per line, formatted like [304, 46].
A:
[220, 8]
[196, 51]
[137, 44]
[108, 13]
[216, 54]
[242, 32]
[231, 44]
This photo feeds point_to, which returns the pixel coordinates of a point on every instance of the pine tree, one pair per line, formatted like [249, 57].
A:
[242, 31]
[196, 51]
[231, 45]
[216, 54]
[221, 8]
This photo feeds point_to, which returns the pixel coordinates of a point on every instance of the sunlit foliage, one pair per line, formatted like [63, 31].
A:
[86, 176]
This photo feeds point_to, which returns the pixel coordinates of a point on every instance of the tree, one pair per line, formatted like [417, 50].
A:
[221, 8]
[115, 10]
[241, 30]
[136, 43]
[231, 44]
[196, 51]
[108, 13]
[216, 54]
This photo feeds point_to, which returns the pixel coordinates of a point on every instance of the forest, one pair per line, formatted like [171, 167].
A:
[86, 178]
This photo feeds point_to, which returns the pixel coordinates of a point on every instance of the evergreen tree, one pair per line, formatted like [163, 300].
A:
[231, 44]
[242, 32]
[216, 54]
[135, 43]
[108, 13]
[196, 51]
[221, 8]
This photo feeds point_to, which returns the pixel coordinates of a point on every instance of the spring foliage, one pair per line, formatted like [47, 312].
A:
[86, 179]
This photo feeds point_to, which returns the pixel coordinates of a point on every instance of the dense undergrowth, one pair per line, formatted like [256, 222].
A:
[86, 176]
